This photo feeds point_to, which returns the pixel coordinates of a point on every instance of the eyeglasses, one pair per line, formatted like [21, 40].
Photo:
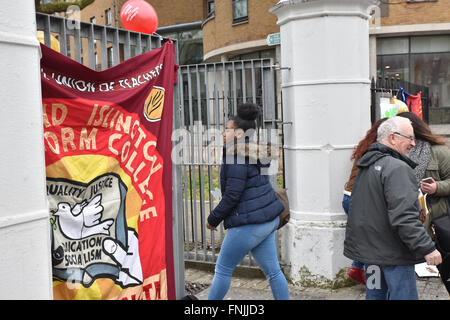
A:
[411, 138]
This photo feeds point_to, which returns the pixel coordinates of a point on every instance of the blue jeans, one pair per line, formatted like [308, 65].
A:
[390, 283]
[346, 206]
[259, 239]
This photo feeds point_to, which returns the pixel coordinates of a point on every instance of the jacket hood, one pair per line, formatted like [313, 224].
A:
[377, 151]
[260, 154]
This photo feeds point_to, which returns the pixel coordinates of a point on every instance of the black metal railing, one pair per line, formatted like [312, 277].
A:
[392, 85]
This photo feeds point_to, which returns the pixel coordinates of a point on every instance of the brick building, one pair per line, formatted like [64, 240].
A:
[180, 20]
[238, 29]
[410, 39]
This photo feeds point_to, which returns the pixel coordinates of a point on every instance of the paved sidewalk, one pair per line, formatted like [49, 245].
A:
[257, 288]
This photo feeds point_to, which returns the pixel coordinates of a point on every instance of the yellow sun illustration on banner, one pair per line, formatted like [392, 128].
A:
[153, 106]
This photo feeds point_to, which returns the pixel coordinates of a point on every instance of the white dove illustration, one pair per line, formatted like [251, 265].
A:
[83, 219]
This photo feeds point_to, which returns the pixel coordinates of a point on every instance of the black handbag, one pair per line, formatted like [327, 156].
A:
[441, 227]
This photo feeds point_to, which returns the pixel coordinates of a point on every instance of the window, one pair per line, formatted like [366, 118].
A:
[269, 53]
[393, 66]
[433, 70]
[190, 46]
[210, 6]
[108, 18]
[393, 46]
[430, 44]
[68, 46]
[422, 60]
[240, 11]
[110, 56]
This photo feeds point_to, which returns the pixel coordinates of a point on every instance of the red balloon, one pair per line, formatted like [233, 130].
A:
[139, 16]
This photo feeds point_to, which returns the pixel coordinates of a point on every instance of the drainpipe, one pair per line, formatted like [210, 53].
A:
[114, 13]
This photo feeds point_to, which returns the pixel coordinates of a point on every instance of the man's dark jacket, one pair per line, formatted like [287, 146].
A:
[383, 225]
[247, 195]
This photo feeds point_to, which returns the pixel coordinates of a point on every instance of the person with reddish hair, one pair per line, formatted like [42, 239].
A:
[356, 271]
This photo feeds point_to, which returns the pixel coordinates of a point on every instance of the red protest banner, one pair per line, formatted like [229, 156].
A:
[107, 138]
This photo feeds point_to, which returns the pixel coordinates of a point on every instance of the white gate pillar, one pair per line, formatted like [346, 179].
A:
[326, 95]
[25, 263]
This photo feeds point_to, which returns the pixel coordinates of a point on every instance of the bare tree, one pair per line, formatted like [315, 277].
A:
[60, 6]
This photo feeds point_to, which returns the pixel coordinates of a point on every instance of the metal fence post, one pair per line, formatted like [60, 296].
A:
[177, 200]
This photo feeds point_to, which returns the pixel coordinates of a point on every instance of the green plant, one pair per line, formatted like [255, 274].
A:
[190, 174]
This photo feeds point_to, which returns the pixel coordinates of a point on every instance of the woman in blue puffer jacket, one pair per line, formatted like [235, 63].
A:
[249, 208]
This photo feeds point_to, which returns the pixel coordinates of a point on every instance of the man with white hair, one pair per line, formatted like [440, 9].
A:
[383, 227]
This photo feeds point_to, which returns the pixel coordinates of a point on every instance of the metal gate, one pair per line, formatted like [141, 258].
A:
[204, 98]
[209, 95]
[96, 46]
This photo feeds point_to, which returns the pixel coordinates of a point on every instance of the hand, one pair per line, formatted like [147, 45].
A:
[429, 188]
[434, 258]
[128, 260]
[210, 227]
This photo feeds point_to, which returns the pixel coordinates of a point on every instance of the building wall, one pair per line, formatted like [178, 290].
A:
[169, 12]
[97, 10]
[417, 13]
[219, 31]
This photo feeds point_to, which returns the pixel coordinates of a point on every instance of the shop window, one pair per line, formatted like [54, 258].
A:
[240, 11]
[433, 71]
[393, 46]
[430, 44]
[393, 66]
[421, 60]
